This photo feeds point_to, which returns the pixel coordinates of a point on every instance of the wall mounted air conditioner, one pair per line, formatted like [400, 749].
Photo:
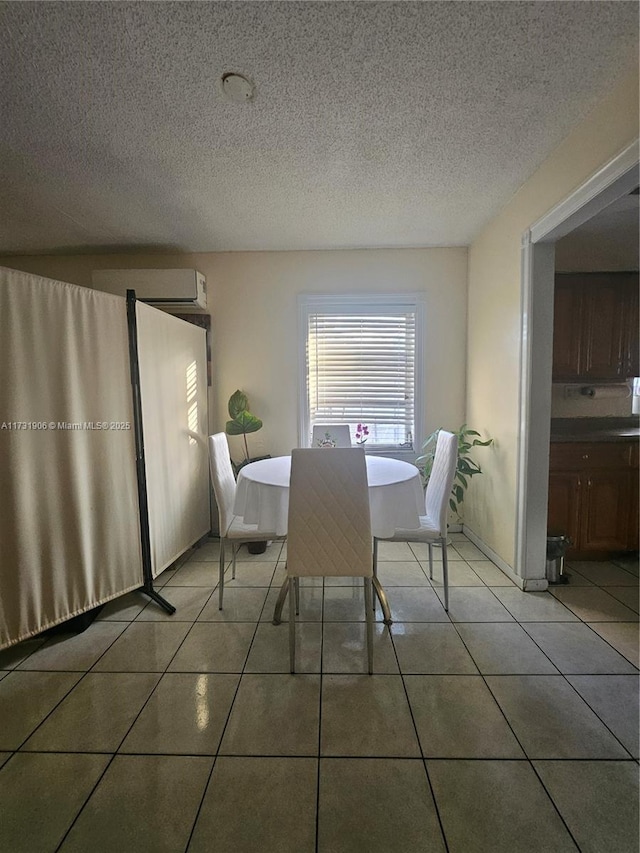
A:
[164, 287]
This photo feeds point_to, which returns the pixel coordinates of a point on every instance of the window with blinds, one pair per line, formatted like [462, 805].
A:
[361, 364]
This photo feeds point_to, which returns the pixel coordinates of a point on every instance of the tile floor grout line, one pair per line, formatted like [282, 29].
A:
[593, 710]
[82, 677]
[84, 804]
[417, 736]
[586, 624]
[554, 805]
[319, 758]
[161, 673]
[499, 707]
[228, 717]
[524, 751]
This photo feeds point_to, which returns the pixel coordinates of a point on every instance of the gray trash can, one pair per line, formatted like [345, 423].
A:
[556, 549]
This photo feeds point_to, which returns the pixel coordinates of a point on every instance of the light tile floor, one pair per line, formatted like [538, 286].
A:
[508, 725]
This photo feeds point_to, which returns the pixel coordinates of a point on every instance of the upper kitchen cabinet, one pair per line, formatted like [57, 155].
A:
[595, 335]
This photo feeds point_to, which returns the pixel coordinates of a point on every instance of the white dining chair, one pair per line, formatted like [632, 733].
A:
[232, 529]
[329, 528]
[433, 525]
[338, 433]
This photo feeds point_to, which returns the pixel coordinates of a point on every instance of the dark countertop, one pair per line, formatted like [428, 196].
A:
[595, 429]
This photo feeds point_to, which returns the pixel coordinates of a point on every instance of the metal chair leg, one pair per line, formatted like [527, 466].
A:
[445, 573]
[384, 603]
[297, 587]
[277, 613]
[233, 563]
[430, 546]
[221, 580]
[375, 574]
[292, 627]
[368, 593]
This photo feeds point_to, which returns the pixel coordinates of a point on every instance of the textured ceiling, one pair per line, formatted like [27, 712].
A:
[373, 124]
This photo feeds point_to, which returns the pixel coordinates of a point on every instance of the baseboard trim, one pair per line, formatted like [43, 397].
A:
[526, 584]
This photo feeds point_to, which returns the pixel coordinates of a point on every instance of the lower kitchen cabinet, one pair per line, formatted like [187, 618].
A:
[605, 515]
[593, 490]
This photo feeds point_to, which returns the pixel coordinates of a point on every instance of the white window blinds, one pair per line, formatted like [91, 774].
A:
[360, 357]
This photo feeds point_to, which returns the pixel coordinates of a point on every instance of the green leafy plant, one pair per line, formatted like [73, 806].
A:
[466, 467]
[242, 421]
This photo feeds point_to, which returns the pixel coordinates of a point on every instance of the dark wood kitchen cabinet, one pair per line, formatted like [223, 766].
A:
[593, 496]
[595, 329]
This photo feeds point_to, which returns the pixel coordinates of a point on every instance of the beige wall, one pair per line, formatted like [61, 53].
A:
[494, 308]
[254, 321]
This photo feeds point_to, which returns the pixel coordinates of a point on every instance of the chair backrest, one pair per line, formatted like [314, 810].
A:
[441, 480]
[330, 433]
[224, 483]
[329, 531]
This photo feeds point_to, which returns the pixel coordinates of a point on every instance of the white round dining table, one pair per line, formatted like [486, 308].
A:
[396, 497]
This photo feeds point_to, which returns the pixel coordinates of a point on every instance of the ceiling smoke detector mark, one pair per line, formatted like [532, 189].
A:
[236, 87]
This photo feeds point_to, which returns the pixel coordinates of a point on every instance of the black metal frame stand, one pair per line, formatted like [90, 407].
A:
[143, 503]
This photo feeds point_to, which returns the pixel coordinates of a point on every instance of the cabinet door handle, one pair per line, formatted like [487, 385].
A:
[585, 456]
[589, 483]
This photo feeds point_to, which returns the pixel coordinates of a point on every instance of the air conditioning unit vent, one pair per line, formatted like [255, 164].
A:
[182, 287]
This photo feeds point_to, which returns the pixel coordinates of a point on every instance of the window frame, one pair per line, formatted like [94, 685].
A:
[311, 303]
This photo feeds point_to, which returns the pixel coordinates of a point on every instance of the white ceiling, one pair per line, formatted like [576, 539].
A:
[373, 124]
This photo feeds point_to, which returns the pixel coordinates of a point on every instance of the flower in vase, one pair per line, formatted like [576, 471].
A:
[362, 433]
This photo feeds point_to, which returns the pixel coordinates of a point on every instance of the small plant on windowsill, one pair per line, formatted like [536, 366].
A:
[362, 433]
[465, 469]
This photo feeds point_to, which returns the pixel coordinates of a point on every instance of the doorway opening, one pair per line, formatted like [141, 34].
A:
[618, 178]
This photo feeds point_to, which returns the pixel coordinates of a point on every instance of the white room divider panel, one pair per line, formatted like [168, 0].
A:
[173, 385]
[69, 522]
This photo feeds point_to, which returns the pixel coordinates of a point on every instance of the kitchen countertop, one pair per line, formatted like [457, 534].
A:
[595, 429]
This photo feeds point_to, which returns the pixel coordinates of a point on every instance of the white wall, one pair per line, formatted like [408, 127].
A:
[253, 306]
[494, 308]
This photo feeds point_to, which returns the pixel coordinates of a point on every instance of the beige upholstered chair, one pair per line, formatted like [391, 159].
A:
[433, 525]
[329, 529]
[232, 528]
[331, 432]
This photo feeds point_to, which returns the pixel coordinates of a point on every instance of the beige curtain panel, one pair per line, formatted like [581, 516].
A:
[69, 521]
[173, 388]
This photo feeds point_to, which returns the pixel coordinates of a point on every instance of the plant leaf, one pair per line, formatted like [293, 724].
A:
[453, 505]
[243, 423]
[238, 403]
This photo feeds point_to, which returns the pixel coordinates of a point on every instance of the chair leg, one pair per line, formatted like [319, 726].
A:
[277, 613]
[292, 627]
[430, 546]
[233, 562]
[297, 586]
[368, 594]
[445, 573]
[221, 580]
[375, 574]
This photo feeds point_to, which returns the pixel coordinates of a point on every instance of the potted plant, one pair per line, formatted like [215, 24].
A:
[242, 423]
[466, 467]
